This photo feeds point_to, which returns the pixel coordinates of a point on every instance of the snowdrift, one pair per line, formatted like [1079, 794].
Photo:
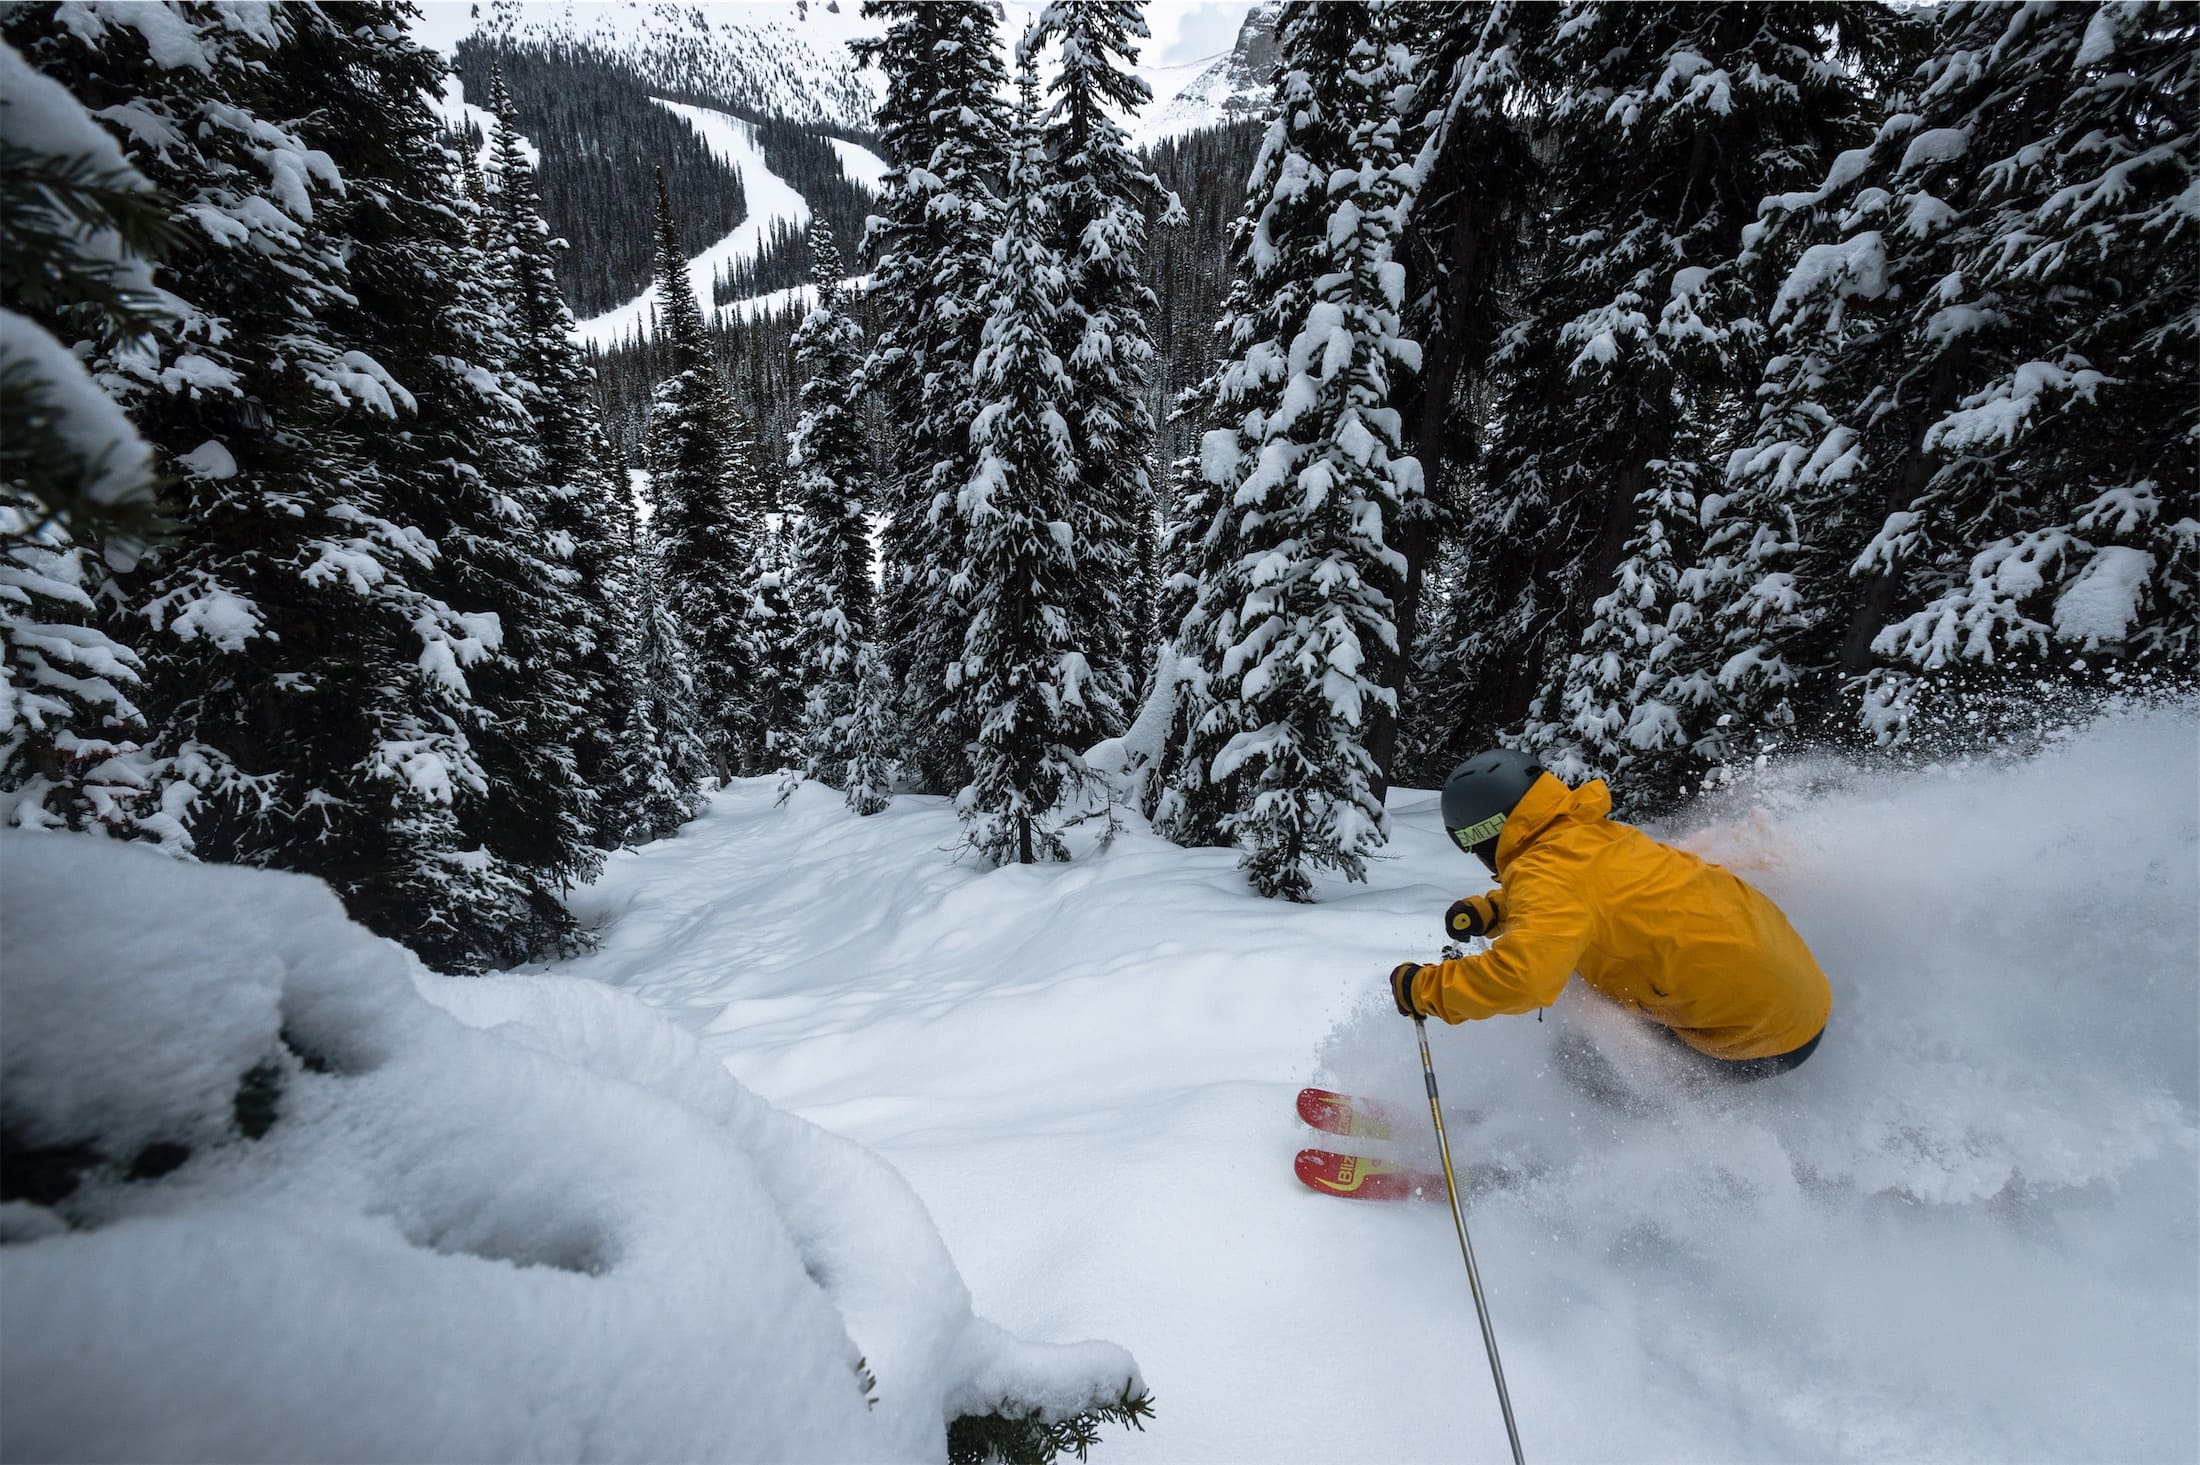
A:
[281, 1194]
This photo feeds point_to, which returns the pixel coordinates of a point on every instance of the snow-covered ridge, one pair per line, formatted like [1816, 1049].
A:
[772, 201]
[1232, 88]
[790, 60]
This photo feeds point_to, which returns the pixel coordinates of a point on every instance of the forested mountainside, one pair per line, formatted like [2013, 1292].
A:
[1187, 264]
[600, 136]
[1186, 267]
[800, 153]
[601, 129]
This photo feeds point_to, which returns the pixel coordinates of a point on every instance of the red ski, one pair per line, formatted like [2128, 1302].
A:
[1335, 1113]
[1363, 1178]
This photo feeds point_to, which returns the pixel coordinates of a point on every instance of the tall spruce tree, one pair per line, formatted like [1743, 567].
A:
[1663, 126]
[830, 458]
[1023, 679]
[1465, 246]
[311, 690]
[659, 786]
[1972, 470]
[872, 756]
[1096, 193]
[76, 481]
[775, 700]
[1295, 604]
[586, 509]
[1177, 792]
[707, 517]
[471, 466]
[943, 127]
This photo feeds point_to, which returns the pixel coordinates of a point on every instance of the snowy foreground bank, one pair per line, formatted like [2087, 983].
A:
[326, 1205]
[529, 1218]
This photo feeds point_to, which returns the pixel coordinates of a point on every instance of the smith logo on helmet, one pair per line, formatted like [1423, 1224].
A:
[1474, 834]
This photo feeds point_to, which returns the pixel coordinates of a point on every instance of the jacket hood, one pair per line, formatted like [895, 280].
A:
[1547, 801]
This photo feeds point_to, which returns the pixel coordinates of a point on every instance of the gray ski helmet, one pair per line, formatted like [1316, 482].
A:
[1482, 791]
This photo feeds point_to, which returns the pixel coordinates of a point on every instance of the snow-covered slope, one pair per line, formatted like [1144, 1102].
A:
[1231, 88]
[790, 60]
[772, 201]
[1963, 1231]
[858, 164]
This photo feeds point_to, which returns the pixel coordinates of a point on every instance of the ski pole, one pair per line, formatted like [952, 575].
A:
[1466, 1247]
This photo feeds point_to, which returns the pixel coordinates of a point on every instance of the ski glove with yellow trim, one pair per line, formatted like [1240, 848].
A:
[1401, 987]
[1477, 915]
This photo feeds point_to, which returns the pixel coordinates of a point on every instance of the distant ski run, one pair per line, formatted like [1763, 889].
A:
[771, 201]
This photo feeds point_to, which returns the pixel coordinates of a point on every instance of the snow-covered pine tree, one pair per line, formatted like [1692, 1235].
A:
[870, 736]
[1022, 679]
[830, 458]
[1096, 191]
[1175, 790]
[772, 709]
[660, 786]
[943, 129]
[469, 468]
[76, 482]
[1297, 594]
[1972, 471]
[707, 519]
[1664, 124]
[1466, 242]
[587, 510]
[307, 688]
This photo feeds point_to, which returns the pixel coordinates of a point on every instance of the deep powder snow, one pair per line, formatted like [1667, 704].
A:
[1965, 1230]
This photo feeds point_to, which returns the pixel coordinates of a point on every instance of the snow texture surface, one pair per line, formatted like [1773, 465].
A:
[516, 1218]
[1963, 1231]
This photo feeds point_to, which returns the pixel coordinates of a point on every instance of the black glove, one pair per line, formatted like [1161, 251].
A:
[1477, 915]
[1401, 988]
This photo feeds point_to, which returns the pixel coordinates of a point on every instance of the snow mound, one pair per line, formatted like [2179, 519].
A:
[276, 1192]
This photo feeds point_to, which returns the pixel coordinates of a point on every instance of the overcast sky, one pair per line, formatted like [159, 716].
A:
[1187, 31]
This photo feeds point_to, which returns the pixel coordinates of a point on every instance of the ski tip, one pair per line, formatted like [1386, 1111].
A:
[1359, 1177]
[1321, 1108]
[1320, 1170]
[1335, 1113]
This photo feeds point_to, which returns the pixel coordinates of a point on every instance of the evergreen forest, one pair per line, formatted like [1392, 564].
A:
[1664, 389]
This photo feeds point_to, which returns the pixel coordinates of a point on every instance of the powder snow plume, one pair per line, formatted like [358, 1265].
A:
[1965, 1229]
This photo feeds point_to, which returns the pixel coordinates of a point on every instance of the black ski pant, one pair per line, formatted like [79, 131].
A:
[1746, 1070]
[1582, 1064]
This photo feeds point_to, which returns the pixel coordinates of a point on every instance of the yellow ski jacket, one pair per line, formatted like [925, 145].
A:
[1682, 941]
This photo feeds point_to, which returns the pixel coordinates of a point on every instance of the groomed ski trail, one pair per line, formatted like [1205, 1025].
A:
[771, 201]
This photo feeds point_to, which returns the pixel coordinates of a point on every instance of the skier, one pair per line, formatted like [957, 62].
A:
[1682, 941]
